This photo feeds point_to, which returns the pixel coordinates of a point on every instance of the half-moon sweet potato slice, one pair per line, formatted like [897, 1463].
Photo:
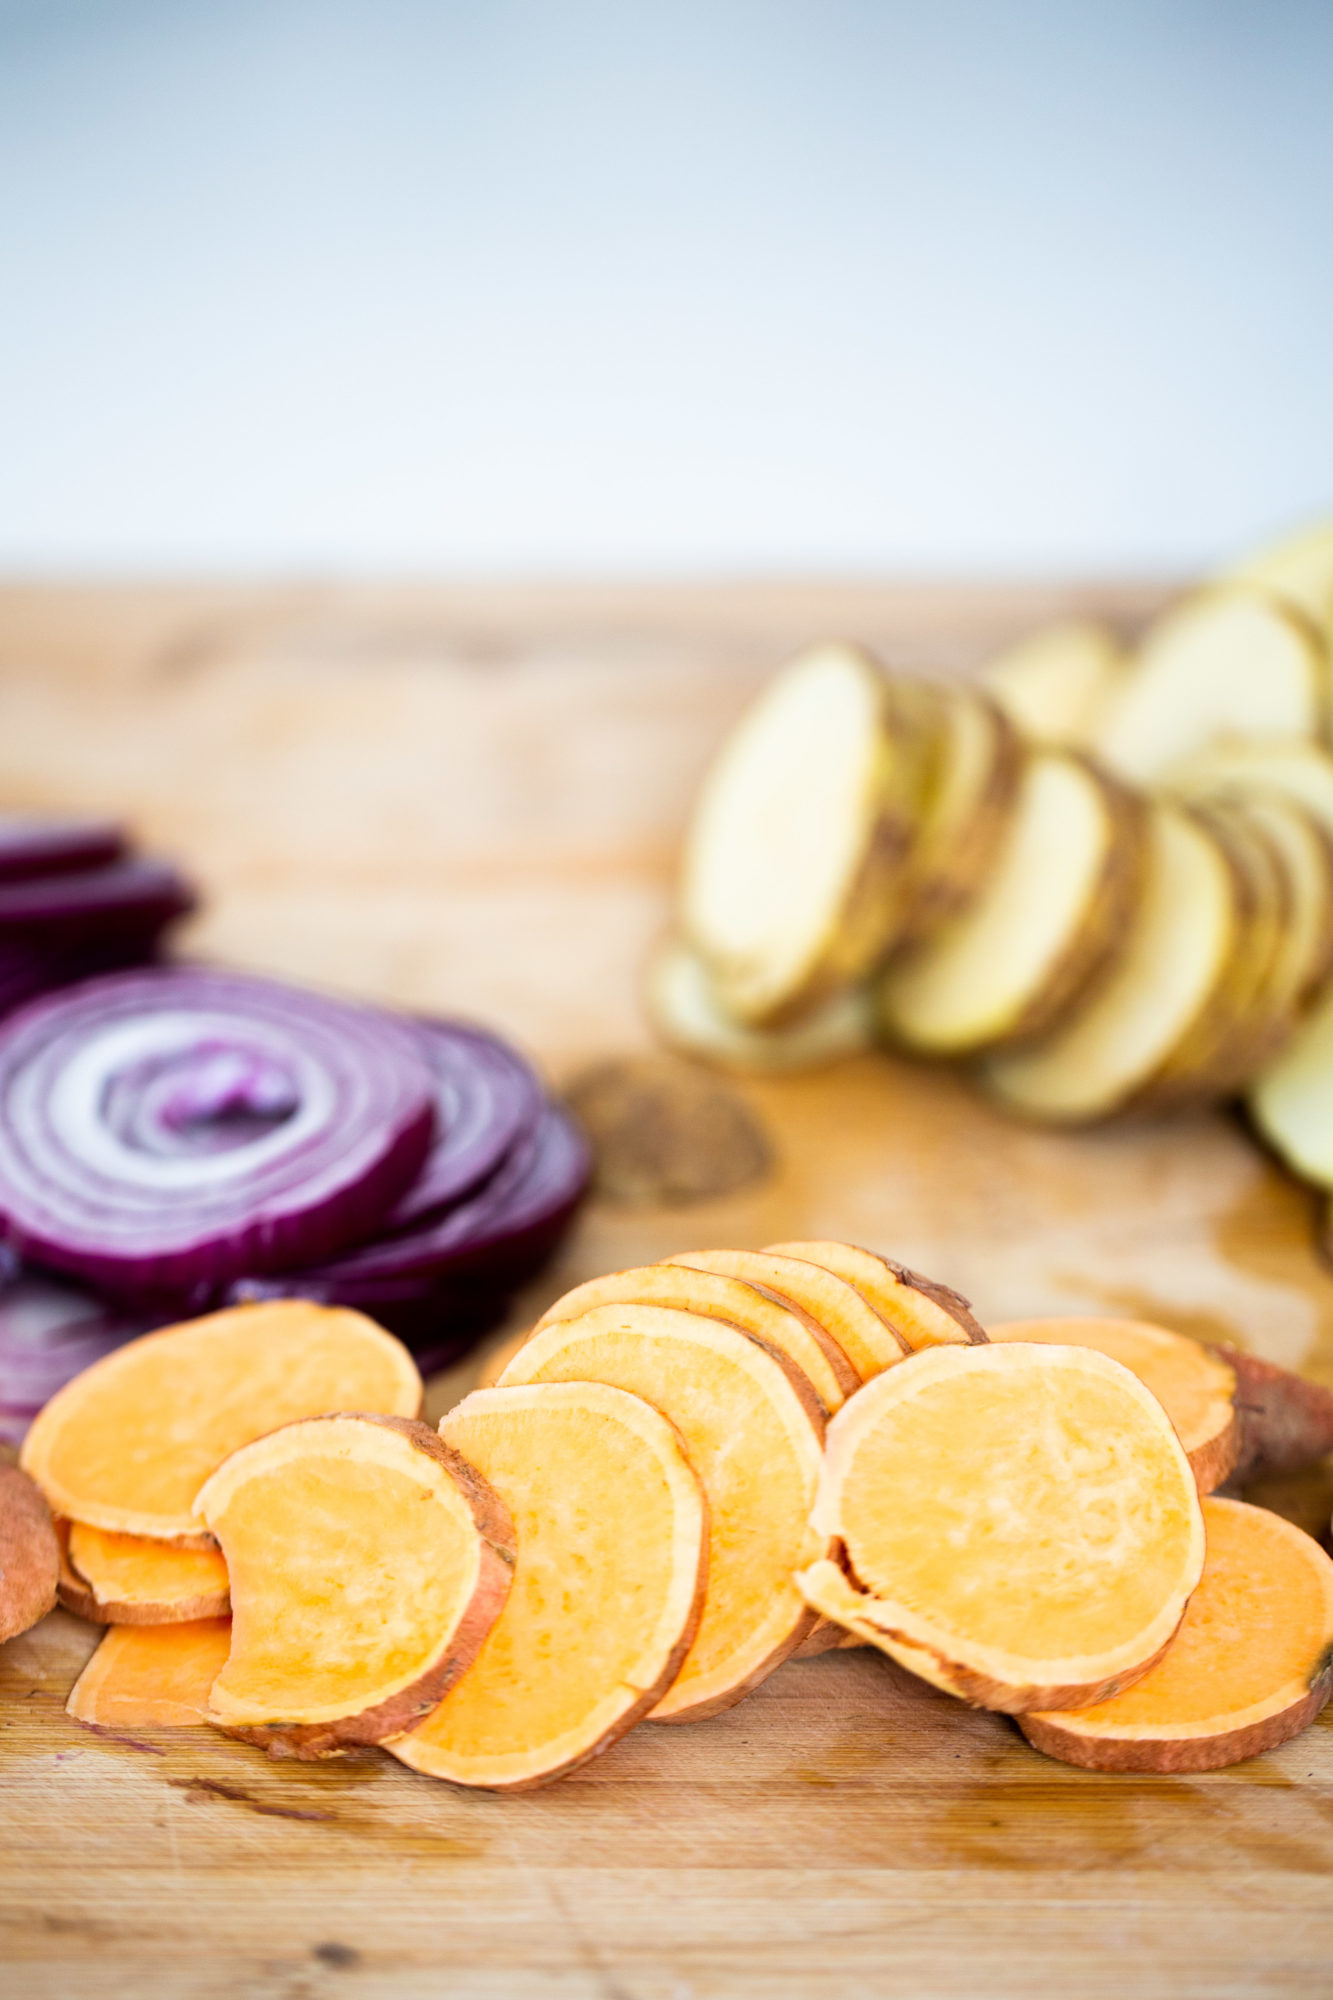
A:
[753, 1429]
[846, 1323]
[128, 1443]
[1195, 1387]
[612, 1532]
[29, 1554]
[152, 1676]
[132, 1580]
[702, 1289]
[1020, 1523]
[368, 1561]
[920, 1311]
[1250, 1667]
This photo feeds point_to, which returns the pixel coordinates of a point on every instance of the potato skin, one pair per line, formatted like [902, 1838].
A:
[29, 1554]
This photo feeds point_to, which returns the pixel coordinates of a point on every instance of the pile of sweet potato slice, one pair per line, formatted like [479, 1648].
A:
[683, 1476]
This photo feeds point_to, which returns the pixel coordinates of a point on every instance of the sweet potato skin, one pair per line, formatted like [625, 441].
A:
[309, 1742]
[1285, 1421]
[29, 1554]
[1198, 1753]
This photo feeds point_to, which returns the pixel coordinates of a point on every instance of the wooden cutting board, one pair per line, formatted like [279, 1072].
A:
[470, 799]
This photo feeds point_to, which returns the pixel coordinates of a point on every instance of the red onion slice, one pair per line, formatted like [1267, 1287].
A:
[127, 1157]
[487, 1097]
[35, 846]
[49, 1333]
[139, 896]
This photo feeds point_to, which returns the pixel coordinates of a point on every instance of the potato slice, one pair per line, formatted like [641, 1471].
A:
[1053, 684]
[971, 792]
[684, 1008]
[1166, 980]
[1229, 661]
[918, 1311]
[779, 1322]
[1251, 1666]
[152, 1676]
[753, 1431]
[1291, 766]
[606, 1599]
[115, 1579]
[848, 1323]
[1196, 1387]
[1291, 1100]
[29, 1554]
[128, 1443]
[1020, 1523]
[1062, 882]
[796, 845]
[1299, 568]
[368, 1561]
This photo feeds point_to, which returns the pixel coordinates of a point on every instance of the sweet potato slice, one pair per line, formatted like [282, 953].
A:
[368, 1561]
[132, 1580]
[128, 1443]
[780, 1322]
[152, 1676]
[845, 1321]
[1196, 1388]
[1285, 1420]
[1020, 1524]
[29, 1554]
[753, 1429]
[605, 1600]
[920, 1312]
[1250, 1667]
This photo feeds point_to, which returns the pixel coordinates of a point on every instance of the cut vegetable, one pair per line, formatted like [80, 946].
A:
[605, 1599]
[1292, 767]
[918, 1311]
[32, 846]
[29, 1554]
[780, 1322]
[49, 1333]
[752, 1428]
[1052, 908]
[689, 1016]
[486, 1099]
[151, 1676]
[1285, 1420]
[130, 1580]
[1231, 661]
[1054, 684]
[971, 792]
[1291, 1101]
[860, 1342]
[797, 841]
[1020, 1523]
[1250, 1667]
[1171, 970]
[368, 1561]
[127, 1444]
[1195, 1386]
[1299, 569]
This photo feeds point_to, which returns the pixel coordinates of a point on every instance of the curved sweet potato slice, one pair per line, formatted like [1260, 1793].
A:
[605, 1600]
[753, 1428]
[128, 1443]
[1250, 1667]
[1020, 1523]
[131, 1580]
[923, 1312]
[846, 1318]
[368, 1561]
[152, 1676]
[704, 1289]
[29, 1554]
[1195, 1387]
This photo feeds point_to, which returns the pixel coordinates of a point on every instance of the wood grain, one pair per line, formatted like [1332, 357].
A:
[469, 798]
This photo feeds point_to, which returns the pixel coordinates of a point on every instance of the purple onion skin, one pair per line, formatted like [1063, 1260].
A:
[488, 1098]
[37, 846]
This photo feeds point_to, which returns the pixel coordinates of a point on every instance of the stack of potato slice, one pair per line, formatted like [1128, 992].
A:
[1106, 878]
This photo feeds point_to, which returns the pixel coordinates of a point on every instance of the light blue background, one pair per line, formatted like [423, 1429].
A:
[701, 286]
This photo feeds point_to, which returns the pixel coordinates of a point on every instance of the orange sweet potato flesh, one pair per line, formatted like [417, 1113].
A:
[1019, 1523]
[923, 1312]
[1250, 1667]
[128, 1443]
[848, 1322]
[605, 1600]
[152, 1676]
[780, 1322]
[1194, 1385]
[367, 1562]
[752, 1427]
[29, 1554]
[131, 1580]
